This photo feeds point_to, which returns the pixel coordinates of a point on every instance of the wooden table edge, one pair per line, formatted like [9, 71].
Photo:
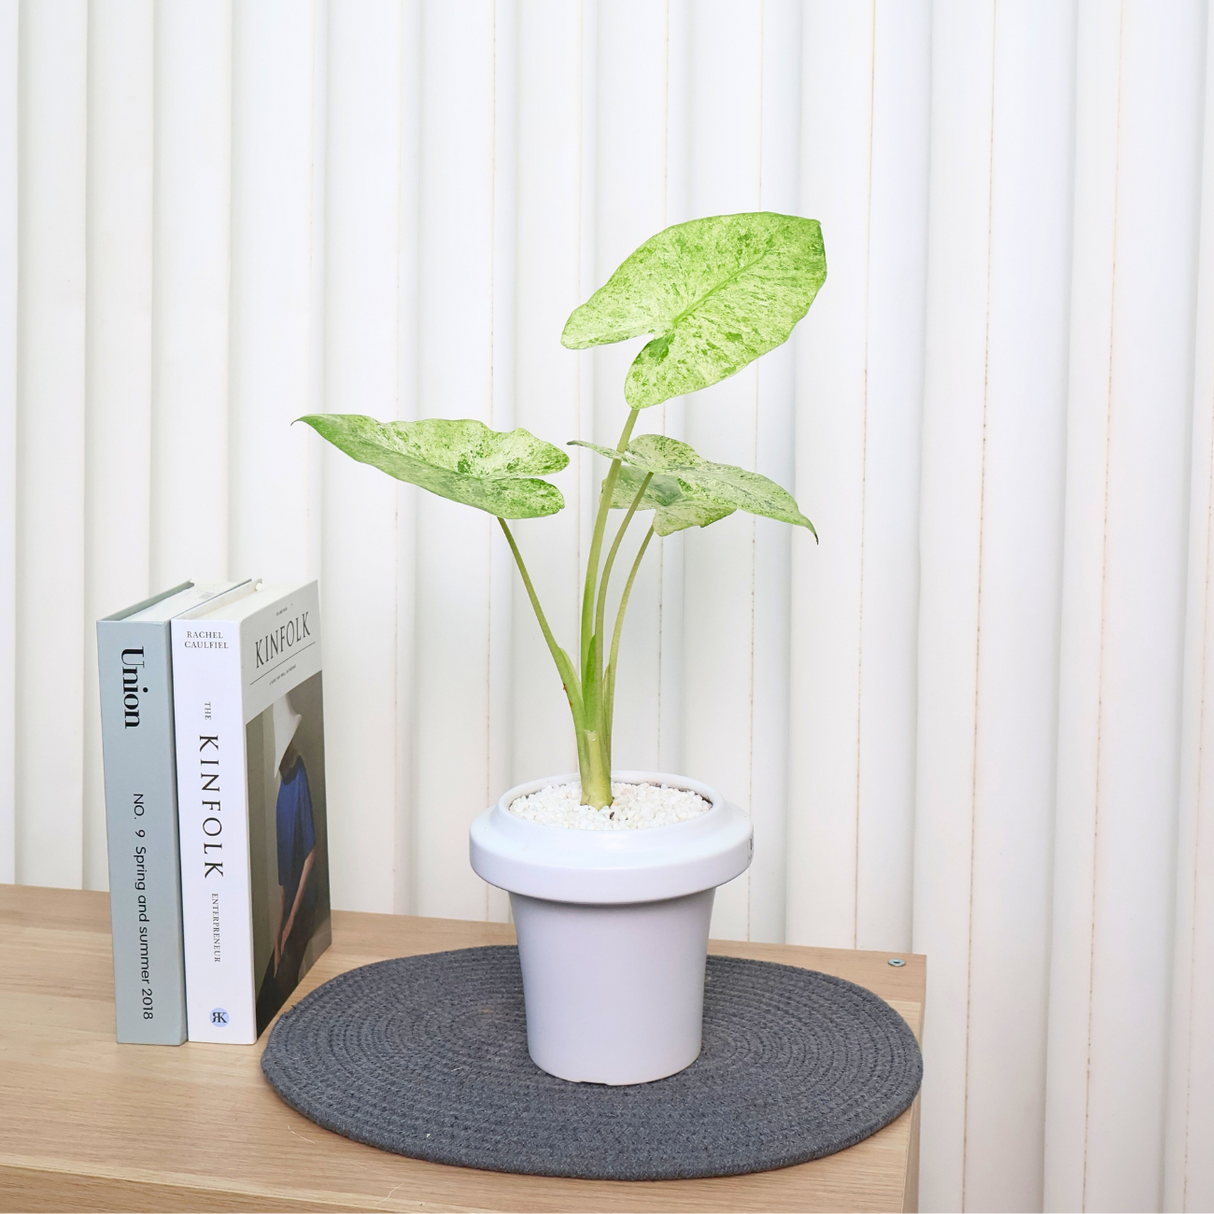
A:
[124, 1186]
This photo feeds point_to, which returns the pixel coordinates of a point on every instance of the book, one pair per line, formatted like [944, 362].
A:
[138, 758]
[248, 701]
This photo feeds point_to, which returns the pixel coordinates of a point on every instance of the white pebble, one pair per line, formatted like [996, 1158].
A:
[633, 807]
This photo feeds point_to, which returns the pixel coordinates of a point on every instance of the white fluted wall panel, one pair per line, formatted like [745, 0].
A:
[1123, 606]
[1188, 1164]
[363, 141]
[463, 591]
[859, 392]
[990, 543]
[550, 249]
[9, 259]
[973, 720]
[191, 267]
[50, 442]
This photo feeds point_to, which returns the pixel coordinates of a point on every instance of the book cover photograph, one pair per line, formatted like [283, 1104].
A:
[248, 693]
[289, 872]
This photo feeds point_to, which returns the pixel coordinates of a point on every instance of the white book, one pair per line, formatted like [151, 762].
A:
[248, 709]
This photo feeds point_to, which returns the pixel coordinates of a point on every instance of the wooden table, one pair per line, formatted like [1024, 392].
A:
[87, 1124]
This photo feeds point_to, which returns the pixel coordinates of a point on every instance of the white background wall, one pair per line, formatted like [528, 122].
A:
[999, 414]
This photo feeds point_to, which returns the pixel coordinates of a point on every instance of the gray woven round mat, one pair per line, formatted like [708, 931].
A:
[427, 1056]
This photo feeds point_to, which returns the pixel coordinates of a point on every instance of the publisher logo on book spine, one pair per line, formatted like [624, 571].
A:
[219, 1018]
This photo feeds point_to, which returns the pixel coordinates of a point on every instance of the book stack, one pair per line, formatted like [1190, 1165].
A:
[212, 729]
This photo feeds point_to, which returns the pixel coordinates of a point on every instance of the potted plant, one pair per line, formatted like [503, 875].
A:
[612, 874]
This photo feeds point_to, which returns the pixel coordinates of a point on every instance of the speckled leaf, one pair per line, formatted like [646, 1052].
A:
[716, 294]
[606, 452]
[661, 490]
[688, 490]
[722, 484]
[465, 461]
[693, 509]
[676, 506]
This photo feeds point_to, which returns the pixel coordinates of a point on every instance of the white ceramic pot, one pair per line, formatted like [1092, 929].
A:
[612, 930]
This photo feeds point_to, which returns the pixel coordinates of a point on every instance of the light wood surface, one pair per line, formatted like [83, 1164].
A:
[87, 1124]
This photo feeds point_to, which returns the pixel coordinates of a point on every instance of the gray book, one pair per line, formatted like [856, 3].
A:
[133, 658]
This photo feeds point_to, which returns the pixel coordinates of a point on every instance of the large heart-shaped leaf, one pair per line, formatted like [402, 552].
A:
[715, 293]
[465, 461]
[703, 485]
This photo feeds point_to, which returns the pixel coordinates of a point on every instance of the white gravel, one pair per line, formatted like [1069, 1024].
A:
[634, 807]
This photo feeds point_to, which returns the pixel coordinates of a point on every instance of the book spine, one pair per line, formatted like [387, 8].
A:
[213, 813]
[137, 742]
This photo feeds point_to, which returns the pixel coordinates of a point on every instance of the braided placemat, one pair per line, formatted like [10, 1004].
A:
[427, 1056]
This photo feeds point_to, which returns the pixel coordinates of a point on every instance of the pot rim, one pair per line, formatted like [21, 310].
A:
[602, 867]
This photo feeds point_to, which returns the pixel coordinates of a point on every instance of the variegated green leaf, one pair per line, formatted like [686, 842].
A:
[694, 509]
[715, 293]
[724, 484]
[493, 470]
[706, 491]
[661, 490]
[605, 452]
[676, 506]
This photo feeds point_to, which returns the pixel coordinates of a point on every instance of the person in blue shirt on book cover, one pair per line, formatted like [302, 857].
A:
[296, 832]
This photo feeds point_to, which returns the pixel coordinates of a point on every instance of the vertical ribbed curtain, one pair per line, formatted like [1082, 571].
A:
[972, 721]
